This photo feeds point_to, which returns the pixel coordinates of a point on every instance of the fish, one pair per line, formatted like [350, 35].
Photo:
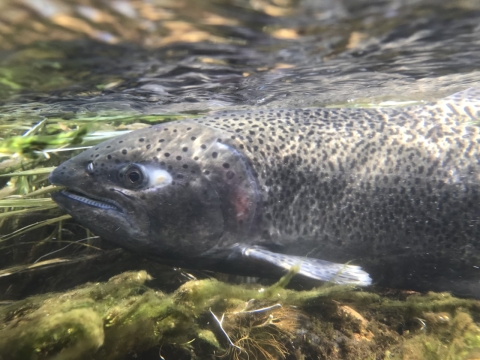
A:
[362, 196]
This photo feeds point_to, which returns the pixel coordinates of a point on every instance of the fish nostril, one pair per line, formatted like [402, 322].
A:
[90, 167]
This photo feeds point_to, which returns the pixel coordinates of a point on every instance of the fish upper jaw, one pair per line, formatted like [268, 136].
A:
[76, 193]
[94, 201]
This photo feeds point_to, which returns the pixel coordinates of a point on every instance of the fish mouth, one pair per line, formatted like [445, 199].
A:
[101, 203]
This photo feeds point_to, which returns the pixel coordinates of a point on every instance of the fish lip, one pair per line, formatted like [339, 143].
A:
[93, 201]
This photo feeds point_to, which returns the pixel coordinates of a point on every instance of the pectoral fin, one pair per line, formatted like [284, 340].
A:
[311, 267]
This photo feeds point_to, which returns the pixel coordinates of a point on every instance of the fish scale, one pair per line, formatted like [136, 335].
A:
[395, 190]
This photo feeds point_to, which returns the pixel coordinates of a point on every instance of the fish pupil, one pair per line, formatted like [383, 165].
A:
[134, 176]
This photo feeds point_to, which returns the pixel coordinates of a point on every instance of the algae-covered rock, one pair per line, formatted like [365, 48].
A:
[123, 318]
[449, 338]
[72, 334]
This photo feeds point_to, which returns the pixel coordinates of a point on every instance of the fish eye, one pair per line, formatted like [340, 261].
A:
[133, 176]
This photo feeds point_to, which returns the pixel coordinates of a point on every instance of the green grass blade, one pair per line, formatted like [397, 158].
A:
[37, 171]
[34, 226]
[9, 202]
[44, 190]
[25, 211]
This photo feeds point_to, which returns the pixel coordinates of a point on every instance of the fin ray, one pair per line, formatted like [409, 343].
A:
[311, 267]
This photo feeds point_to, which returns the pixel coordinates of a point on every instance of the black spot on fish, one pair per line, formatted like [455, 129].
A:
[230, 174]
[167, 154]
[185, 149]
[214, 155]
[109, 157]
[124, 152]
[179, 158]
[141, 139]
[226, 165]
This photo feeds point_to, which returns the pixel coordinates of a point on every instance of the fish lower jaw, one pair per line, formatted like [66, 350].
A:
[105, 204]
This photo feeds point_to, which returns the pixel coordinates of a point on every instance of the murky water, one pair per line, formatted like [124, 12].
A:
[64, 64]
[170, 56]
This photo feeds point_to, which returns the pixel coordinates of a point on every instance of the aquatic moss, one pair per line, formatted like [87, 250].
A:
[206, 317]
[443, 337]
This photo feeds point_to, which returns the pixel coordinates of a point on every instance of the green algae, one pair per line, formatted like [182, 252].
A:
[449, 339]
[35, 143]
[125, 316]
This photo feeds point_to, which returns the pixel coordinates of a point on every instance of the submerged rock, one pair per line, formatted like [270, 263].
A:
[124, 318]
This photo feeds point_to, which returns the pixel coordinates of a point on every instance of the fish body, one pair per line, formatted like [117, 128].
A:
[395, 191]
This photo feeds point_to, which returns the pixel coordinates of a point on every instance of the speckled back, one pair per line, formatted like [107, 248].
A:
[362, 182]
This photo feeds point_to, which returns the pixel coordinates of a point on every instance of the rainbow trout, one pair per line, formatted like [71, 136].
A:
[395, 191]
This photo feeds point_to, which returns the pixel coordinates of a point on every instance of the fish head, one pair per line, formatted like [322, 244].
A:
[168, 191]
